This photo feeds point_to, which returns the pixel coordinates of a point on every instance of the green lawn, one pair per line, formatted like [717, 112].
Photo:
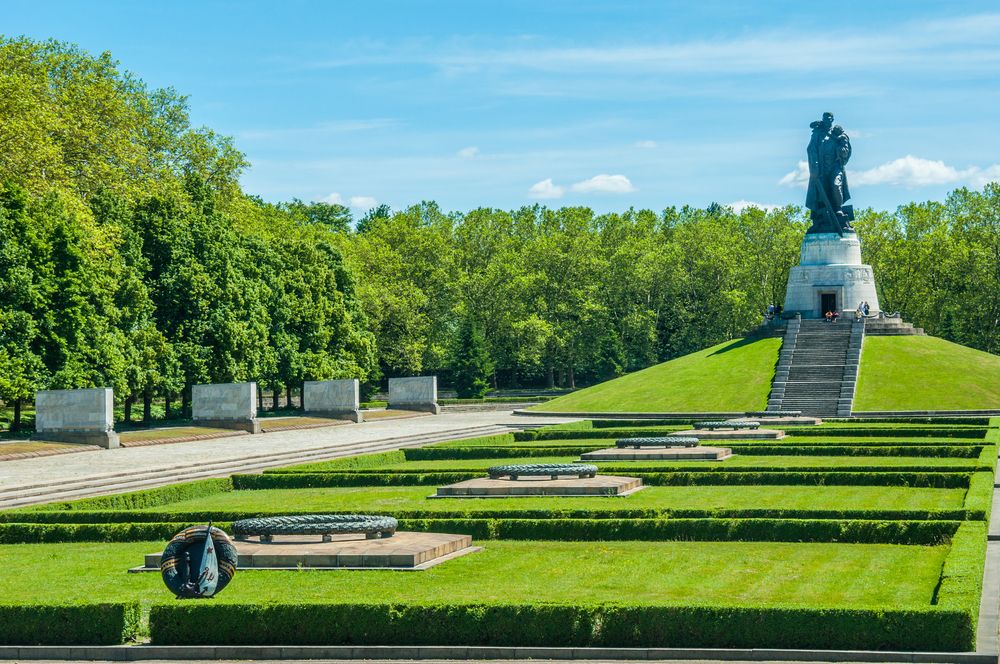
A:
[925, 373]
[735, 461]
[415, 498]
[733, 376]
[720, 573]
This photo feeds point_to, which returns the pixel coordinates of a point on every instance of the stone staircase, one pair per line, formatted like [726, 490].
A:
[818, 368]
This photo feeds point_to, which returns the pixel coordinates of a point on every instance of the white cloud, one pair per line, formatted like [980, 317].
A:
[545, 189]
[912, 172]
[797, 178]
[908, 171]
[740, 205]
[468, 153]
[646, 145]
[604, 184]
[333, 199]
[363, 202]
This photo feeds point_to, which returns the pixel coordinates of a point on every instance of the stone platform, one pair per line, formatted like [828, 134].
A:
[733, 434]
[402, 551]
[699, 453]
[801, 420]
[602, 485]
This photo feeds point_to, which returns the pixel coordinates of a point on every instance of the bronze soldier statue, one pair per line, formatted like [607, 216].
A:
[828, 152]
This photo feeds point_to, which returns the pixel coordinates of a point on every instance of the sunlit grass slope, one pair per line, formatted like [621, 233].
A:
[733, 376]
[925, 373]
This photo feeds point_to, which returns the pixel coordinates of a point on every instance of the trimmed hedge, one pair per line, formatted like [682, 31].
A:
[82, 624]
[936, 480]
[362, 462]
[979, 496]
[163, 495]
[928, 432]
[458, 453]
[962, 572]
[974, 421]
[953, 451]
[38, 533]
[714, 528]
[608, 625]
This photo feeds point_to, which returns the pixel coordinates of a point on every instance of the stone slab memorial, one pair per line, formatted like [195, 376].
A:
[225, 406]
[734, 434]
[411, 551]
[339, 399]
[700, 453]
[414, 393]
[484, 487]
[83, 416]
[830, 276]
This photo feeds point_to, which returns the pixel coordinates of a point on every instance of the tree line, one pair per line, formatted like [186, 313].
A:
[131, 258]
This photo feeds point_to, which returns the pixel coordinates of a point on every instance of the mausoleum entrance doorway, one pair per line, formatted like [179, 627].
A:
[827, 302]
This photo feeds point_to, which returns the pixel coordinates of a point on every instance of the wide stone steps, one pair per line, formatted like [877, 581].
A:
[817, 368]
[44, 492]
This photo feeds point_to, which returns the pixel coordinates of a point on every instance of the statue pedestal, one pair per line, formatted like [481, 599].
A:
[830, 277]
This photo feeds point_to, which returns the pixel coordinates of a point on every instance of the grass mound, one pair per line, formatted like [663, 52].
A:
[734, 376]
[925, 373]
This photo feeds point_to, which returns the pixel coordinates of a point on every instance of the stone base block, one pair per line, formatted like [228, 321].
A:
[350, 415]
[251, 425]
[733, 434]
[402, 551]
[431, 408]
[800, 420]
[602, 485]
[699, 453]
[106, 439]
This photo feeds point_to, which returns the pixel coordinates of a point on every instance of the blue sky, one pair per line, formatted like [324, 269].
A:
[606, 104]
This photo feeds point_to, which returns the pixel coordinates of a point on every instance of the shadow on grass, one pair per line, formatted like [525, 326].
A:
[739, 343]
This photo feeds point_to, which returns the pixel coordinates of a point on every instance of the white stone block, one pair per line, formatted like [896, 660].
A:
[75, 410]
[414, 393]
[226, 404]
[336, 398]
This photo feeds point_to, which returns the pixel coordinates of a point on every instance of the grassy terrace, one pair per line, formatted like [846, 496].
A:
[408, 499]
[846, 535]
[642, 572]
[740, 372]
[925, 373]
[744, 462]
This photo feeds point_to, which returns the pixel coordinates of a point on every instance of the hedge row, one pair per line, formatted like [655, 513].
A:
[39, 533]
[135, 526]
[460, 402]
[962, 573]
[972, 421]
[924, 432]
[362, 462]
[609, 625]
[139, 499]
[936, 480]
[457, 453]
[979, 496]
[952, 451]
[81, 624]
[714, 529]
[571, 434]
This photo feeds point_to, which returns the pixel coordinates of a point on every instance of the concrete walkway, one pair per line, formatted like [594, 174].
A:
[40, 479]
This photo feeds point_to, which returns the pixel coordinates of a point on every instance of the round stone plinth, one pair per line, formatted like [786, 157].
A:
[601, 485]
[405, 551]
[730, 434]
[700, 453]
